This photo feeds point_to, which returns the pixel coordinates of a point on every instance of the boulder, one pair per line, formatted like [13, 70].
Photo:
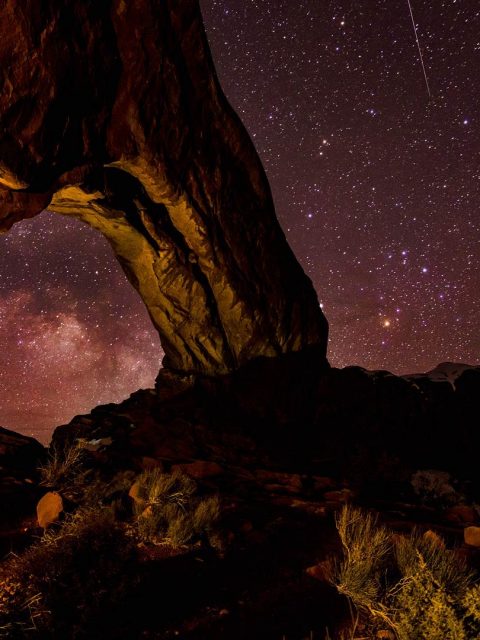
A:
[49, 509]
[471, 535]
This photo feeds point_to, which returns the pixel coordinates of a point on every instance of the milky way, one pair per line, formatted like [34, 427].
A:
[376, 186]
[73, 332]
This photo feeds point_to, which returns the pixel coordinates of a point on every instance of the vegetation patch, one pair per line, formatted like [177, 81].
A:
[168, 507]
[404, 587]
[74, 576]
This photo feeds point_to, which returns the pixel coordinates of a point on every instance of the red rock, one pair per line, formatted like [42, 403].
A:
[200, 469]
[462, 514]
[49, 509]
[134, 493]
[113, 113]
[471, 536]
[320, 571]
[341, 496]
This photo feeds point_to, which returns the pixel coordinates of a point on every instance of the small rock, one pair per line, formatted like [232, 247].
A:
[313, 508]
[341, 496]
[49, 509]
[200, 469]
[471, 536]
[461, 514]
[134, 494]
[320, 571]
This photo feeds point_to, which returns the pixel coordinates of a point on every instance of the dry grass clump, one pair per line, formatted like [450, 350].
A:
[168, 508]
[62, 465]
[74, 576]
[412, 587]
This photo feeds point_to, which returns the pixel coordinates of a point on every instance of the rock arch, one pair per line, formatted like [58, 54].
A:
[111, 112]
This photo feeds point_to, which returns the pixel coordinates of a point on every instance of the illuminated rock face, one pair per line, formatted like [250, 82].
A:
[111, 112]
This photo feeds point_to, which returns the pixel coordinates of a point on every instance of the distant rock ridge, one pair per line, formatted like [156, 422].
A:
[444, 372]
[112, 112]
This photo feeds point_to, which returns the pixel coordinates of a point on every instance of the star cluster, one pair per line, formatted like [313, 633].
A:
[376, 185]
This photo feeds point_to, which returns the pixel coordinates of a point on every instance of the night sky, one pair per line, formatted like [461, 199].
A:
[376, 186]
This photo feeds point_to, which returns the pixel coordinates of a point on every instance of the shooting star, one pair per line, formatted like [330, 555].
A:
[419, 50]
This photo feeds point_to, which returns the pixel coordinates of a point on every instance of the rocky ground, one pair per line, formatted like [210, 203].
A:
[282, 467]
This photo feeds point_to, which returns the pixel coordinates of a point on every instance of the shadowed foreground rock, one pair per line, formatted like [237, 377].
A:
[370, 427]
[20, 457]
[111, 112]
[280, 465]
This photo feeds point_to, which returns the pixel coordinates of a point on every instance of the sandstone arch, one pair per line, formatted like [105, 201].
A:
[111, 112]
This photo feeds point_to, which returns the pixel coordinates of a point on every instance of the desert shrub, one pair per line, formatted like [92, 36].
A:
[168, 507]
[446, 568]
[62, 465]
[366, 546]
[74, 576]
[434, 487]
[412, 586]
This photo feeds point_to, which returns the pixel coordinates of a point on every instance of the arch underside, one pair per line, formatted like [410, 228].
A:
[144, 147]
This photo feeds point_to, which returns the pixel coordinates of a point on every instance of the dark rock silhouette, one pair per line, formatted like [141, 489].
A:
[20, 457]
[112, 113]
[372, 428]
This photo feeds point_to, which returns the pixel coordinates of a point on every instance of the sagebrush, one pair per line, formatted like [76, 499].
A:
[412, 586]
[169, 507]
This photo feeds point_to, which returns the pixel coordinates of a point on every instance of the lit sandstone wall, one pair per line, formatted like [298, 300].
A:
[110, 111]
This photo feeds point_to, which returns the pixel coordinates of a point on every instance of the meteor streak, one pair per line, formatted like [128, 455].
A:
[419, 49]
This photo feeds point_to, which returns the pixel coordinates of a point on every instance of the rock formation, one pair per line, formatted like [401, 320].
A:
[369, 427]
[20, 458]
[111, 112]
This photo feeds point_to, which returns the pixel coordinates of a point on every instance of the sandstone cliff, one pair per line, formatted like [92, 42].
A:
[112, 112]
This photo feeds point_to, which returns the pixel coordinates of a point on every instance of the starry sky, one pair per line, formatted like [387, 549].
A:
[376, 184]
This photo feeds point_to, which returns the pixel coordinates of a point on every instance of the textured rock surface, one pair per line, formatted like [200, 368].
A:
[111, 112]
